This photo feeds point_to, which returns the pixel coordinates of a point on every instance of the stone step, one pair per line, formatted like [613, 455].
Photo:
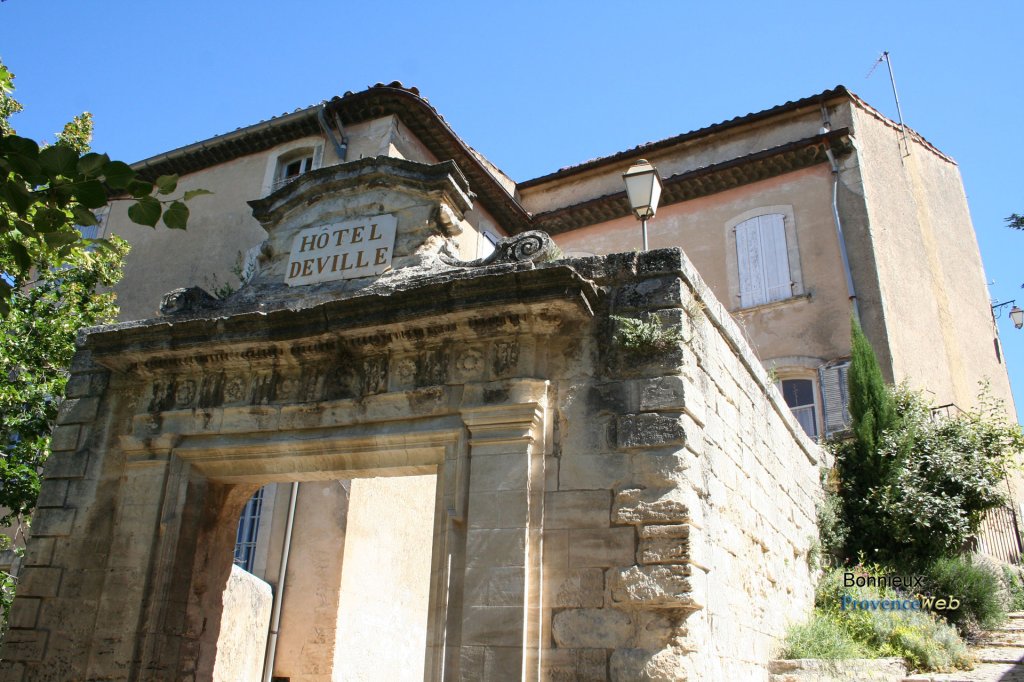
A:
[990, 672]
[999, 654]
[997, 638]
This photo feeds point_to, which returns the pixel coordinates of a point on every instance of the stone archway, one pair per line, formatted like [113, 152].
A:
[599, 507]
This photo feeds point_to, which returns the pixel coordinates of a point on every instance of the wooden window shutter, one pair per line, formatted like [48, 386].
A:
[762, 260]
[835, 397]
[749, 264]
[777, 283]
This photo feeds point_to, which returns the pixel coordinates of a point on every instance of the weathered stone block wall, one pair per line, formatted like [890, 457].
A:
[681, 500]
[601, 514]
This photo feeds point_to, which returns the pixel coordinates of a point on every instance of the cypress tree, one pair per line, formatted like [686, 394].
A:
[871, 406]
[861, 468]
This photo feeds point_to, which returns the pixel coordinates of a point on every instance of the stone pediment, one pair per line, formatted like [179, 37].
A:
[359, 220]
[376, 224]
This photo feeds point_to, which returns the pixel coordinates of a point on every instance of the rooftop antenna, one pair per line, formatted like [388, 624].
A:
[899, 111]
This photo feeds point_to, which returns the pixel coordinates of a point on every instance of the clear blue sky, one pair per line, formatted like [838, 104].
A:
[540, 85]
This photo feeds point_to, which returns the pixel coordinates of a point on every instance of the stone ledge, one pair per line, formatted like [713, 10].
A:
[846, 670]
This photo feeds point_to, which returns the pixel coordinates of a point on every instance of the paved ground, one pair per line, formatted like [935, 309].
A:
[1000, 657]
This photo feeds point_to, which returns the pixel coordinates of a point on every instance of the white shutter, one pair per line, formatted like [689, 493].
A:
[762, 260]
[749, 263]
[777, 283]
[835, 397]
[318, 156]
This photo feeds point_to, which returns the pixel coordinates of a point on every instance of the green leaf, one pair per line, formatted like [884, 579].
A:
[6, 80]
[49, 219]
[59, 160]
[145, 211]
[167, 183]
[91, 194]
[193, 193]
[24, 227]
[118, 174]
[16, 195]
[91, 165]
[55, 239]
[20, 253]
[83, 216]
[14, 145]
[176, 216]
[140, 188]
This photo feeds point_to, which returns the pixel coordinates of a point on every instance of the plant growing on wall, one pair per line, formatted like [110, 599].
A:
[644, 337]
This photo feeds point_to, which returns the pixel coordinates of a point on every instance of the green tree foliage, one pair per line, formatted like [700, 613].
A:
[915, 487]
[945, 474]
[1015, 221]
[861, 468]
[38, 343]
[871, 407]
[45, 192]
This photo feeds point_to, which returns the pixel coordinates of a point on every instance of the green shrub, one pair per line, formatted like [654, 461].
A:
[977, 587]
[1014, 583]
[832, 529]
[942, 476]
[825, 637]
[925, 641]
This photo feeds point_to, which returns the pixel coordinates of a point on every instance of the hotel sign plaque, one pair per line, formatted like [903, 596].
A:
[354, 248]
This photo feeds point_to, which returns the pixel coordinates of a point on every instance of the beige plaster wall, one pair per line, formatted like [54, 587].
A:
[244, 624]
[932, 281]
[382, 618]
[815, 322]
[221, 228]
[305, 650]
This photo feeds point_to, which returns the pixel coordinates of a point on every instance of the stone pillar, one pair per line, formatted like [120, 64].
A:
[501, 582]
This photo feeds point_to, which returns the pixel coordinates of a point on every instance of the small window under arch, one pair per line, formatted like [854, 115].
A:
[799, 396]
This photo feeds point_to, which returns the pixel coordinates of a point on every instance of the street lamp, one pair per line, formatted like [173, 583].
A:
[1017, 316]
[643, 187]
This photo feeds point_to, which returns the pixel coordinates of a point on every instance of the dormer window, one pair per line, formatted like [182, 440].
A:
[290, 162]
[291, 167]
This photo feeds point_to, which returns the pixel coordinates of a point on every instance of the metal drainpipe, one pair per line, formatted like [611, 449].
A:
[275, 617]
[340, 146]
[839, 225]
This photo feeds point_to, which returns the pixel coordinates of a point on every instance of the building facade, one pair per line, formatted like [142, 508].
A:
[765, 205]
[796, 218]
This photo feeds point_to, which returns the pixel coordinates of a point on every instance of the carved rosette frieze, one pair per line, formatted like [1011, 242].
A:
[333, 375]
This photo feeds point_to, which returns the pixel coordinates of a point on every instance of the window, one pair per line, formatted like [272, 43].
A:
[762, 260]
[799, 395]
[486, 244]
[248, 530]
[290, 168]
[290, 162]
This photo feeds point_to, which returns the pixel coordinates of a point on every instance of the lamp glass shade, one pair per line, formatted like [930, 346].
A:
[1017, 316]
[643, 187]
